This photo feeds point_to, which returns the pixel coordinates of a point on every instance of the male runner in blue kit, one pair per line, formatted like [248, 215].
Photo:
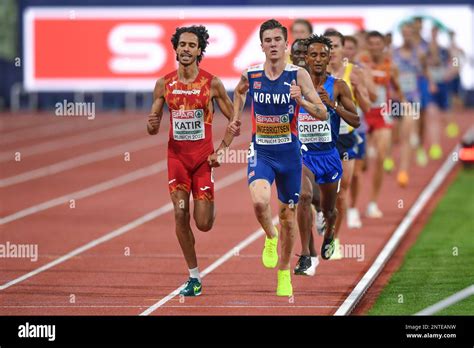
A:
[320, 156]
[276, 89]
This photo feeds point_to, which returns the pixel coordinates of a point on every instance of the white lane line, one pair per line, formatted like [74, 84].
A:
[250, 306]
[457, 297]
[232, 252]
[119, 150]
[75, 140]
[81, 160]
[47, 130]
[226, 181]
[19, 121]
[402, 229]
[92, 190]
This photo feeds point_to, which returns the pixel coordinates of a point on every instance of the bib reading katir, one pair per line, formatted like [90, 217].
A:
[188, 125]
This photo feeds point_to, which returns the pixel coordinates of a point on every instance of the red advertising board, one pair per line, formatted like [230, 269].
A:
[119, 49]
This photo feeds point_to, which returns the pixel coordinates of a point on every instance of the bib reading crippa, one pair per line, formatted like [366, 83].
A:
[313, 131]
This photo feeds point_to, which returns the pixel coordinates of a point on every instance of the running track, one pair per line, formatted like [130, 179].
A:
[116, 253]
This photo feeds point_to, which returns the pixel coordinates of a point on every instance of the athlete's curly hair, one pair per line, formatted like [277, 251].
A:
[318, 39]
[200, 31]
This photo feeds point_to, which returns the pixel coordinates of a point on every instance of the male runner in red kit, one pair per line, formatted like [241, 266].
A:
[189, 93]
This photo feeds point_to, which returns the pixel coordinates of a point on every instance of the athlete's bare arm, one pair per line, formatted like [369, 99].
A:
[395, 83]
[225, 104]
[154, 119]
[361, 92]
[240, 93]
[369, 82]
[219, 94]
[426, 72]
[312, 103]
[346, 107]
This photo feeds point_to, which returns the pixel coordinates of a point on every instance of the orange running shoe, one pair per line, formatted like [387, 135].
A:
[402, 178]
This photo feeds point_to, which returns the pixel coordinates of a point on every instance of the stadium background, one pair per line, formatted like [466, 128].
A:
[343, 14]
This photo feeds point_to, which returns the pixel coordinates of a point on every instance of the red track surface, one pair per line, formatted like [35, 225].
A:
[105, 281]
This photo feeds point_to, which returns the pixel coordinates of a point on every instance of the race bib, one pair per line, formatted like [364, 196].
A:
[272, 129]
[188, 125]
[381, 97]
[311, 130]
[437, 73]
[408, 82]
[344, 128]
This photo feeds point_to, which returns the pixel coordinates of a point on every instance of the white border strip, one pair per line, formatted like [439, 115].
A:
[379, 263]
[459, 296]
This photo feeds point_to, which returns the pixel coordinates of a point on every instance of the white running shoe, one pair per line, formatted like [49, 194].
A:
[373, 211]
[320, 223]
[314, 264]
[306, 265]
[353, 218]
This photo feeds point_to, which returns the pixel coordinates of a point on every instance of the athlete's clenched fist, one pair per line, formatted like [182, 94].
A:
[234, 128]
[295, 92]
[153, 124]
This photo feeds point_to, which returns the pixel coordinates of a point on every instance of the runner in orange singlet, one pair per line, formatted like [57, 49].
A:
[378, 118]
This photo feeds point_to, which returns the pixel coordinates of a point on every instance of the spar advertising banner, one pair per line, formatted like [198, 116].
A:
[128, 48]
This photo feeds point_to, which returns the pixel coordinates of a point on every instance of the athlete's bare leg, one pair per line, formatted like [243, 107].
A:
[359, 168]
[184, 233]
[204, 214]
[381, 140]
[287, 215]
[305, 214]
[407, 133]
[260, 191]
[317, 205]
[422, 127]
[343, 195]
[434, 125]
[328, 205]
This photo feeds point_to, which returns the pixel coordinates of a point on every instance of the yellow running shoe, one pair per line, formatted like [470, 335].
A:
[284, 287]
[421, 158]
[436, 152]
[402, 178]
[270, 251]
[388, 164]
[337, 255]
[452, 130]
